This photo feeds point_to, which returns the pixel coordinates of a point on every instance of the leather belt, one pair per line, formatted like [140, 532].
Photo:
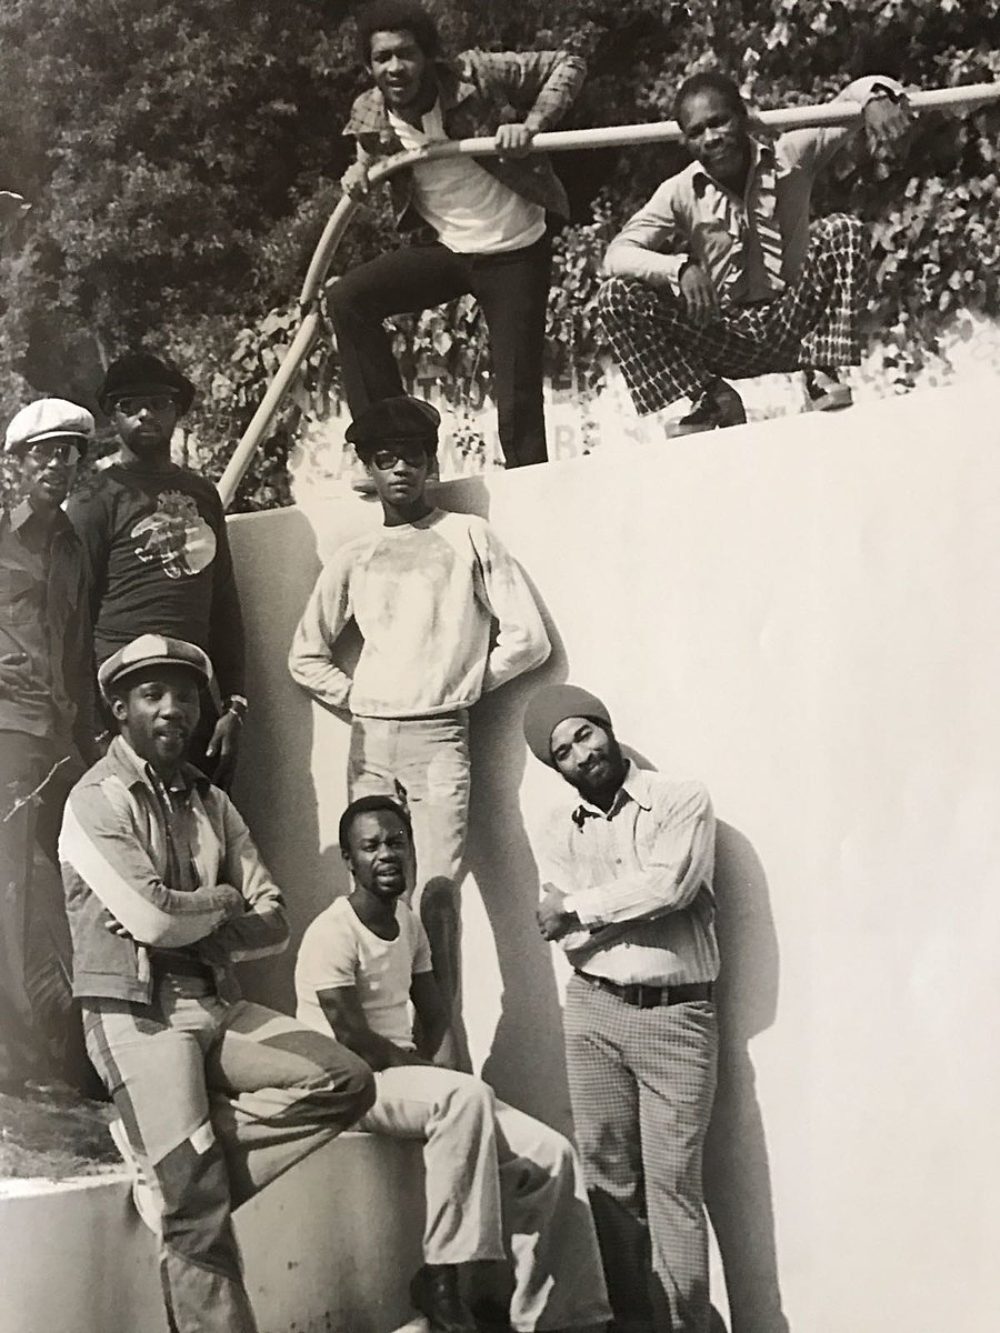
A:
[182, 967]
[641, 996]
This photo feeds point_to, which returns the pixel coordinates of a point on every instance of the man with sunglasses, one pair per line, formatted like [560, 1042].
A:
[426, 589]
[157, 550]
[46, 731]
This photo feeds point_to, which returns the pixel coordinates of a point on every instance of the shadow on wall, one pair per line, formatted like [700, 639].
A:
[278, 743]
[502, 862]
[737, 1172]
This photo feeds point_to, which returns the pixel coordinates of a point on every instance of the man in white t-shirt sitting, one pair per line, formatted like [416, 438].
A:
[498, 1183]
[486, 219]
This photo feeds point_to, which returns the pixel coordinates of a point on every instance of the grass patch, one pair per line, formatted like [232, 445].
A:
[54, 1134]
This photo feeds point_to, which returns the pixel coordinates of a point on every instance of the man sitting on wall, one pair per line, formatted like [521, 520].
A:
[493, 1174]
[722, 273]
[486, 219]
[425, 589]
[165, 891]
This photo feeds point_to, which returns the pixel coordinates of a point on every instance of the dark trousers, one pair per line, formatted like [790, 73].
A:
[512, 290]
[40, 1030]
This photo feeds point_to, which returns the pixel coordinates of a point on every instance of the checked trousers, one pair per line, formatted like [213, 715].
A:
[216, 1100]
[815, 321]
[642, 1083]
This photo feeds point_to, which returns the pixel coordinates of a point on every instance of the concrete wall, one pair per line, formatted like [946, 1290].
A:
[328, 1248]
[804, 614]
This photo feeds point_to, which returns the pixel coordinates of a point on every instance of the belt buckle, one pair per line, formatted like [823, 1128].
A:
[642, 996]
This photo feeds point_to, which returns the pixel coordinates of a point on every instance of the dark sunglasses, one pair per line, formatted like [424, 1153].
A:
[132, 404]
[413, 455]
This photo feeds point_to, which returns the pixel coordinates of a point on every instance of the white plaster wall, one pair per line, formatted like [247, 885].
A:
[804, 614]
[328, 1248]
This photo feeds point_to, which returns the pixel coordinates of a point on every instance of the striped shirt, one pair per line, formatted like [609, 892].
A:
[749, 246]
[639, 877]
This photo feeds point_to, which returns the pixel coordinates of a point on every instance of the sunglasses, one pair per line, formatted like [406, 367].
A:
[413, 455]
[64, 451]
[132, 404]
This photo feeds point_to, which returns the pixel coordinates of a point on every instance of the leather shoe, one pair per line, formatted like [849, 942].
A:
[718, 405]
[436, 1294]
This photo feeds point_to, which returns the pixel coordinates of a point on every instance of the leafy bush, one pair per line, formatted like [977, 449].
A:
[182, 156]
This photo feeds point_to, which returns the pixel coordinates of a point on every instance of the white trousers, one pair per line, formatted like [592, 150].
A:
[499, 1185]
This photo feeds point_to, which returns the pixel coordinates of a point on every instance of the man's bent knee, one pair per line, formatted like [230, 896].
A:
[618, 297]
[350, 1083]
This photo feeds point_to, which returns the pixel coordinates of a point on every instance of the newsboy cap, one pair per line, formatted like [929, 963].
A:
[152, 650]
[399, 418]
[551, 705]
[48, 419]
[142, 372]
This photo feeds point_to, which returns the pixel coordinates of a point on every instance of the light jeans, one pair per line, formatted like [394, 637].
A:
[498, 1182]
[429, 758]
[216, 1100]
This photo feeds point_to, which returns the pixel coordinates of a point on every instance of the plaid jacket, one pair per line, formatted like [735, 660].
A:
[479, 92]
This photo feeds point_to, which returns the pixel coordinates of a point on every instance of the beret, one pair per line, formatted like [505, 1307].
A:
[48, 419]
[551, 705]
[399, 418]
[142, 372]
[152, 650]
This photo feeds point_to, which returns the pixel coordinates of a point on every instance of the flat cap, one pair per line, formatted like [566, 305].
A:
[399, 418]
[142, 372]
[152, 650]
[551, 705]
[48, 419]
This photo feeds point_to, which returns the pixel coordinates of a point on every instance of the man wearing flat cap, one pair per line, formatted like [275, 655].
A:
[157, 550]
[627, 895]
[426, 590]
[165, 891]
[46, 723]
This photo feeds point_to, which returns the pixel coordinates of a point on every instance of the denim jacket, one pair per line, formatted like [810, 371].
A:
[480, 91]
[114, 854]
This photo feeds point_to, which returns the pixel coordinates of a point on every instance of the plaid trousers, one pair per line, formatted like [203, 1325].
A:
[814, 322]
[216, 1101]
[642, 1083]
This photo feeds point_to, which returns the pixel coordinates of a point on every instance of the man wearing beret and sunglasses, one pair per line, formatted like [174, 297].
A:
[425, 589]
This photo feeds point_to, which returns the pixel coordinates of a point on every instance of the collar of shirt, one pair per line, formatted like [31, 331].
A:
[135, 771]
[22, 515]
[760, 200]
[634, 788]
[371, 115]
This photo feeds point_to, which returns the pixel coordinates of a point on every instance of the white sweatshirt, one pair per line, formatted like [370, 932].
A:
[424, 596]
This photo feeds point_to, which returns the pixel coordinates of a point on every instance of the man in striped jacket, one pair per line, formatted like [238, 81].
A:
[165, 891]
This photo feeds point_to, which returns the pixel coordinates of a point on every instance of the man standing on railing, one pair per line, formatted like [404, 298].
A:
[158, 555]
[446, 615]
[483, 221]
[722, 273]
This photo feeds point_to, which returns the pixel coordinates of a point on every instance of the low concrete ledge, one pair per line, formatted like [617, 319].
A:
[328, 1248]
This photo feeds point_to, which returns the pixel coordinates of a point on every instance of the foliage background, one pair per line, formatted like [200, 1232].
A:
[181, 157]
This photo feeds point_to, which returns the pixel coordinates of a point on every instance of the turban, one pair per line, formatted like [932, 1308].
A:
[551, 705]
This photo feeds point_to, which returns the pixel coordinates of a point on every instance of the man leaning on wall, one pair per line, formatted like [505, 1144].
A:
[627, 895]
[481, 225]
[722, 273]
[427, 590]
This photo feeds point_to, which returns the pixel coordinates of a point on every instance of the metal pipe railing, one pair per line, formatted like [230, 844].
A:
[552, 141]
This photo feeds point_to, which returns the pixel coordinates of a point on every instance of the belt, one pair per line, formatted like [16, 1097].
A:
[640, 995]
[182, 967]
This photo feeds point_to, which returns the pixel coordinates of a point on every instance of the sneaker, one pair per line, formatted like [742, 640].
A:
[824, 391]
[146, 1195]
[718, 405]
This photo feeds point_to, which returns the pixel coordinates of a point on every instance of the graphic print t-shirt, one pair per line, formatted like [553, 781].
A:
[158, 558]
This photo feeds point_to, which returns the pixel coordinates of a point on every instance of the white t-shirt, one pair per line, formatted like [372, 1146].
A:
[472, 212]
[338, 950]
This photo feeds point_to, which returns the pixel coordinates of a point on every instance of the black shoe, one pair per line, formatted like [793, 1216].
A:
[824, 391]
[718, 405]
[436, 1294]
